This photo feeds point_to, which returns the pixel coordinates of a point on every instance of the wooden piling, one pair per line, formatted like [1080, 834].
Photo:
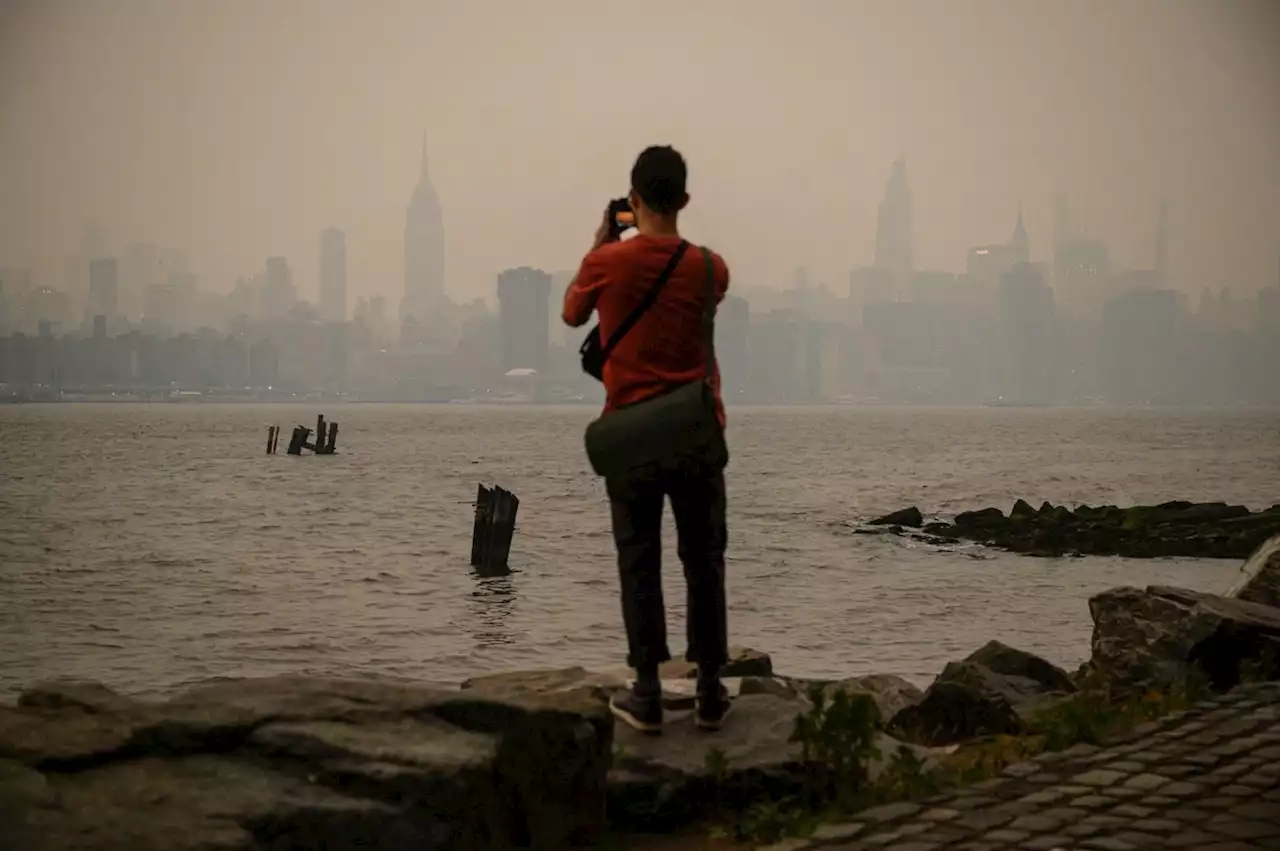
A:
[320, 435]
[271, 438]
[332, 445]
[493, 530]
[298, 441]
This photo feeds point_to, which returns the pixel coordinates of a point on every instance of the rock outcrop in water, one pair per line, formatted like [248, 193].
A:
[1181, 529]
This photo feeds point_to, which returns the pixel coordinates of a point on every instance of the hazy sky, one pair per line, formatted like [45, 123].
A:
[240, 128]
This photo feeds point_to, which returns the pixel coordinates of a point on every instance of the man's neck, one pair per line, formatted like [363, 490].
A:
[657, 226]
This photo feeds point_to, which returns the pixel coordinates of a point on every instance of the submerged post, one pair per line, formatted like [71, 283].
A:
[275, 440]
[480, 528]
[332, 446]
[271, 437]
[320, 435]
[299, 440]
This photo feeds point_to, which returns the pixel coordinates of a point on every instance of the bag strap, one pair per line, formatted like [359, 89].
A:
[647, 302]
[709, 313]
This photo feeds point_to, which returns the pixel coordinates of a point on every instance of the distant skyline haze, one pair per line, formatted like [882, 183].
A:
[235, 131]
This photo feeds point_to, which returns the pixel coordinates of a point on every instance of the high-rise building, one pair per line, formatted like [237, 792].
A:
[104, 288]
[1162, 245]
[894, 250]
[333, 275]
[278, 293]
[524, 302]
[423, 251]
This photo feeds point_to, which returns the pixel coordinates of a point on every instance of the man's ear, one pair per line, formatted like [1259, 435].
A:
[685, 202]
[633, 198]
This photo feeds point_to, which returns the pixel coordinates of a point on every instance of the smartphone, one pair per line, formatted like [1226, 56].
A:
[621, 216]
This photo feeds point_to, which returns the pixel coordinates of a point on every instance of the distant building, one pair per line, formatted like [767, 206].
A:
[278, 294]
[733, 320]
[104, 288]
[524, 300]
[423, 252]
[1030, 355]
[333, 275]
[871, 285]
[894, 243]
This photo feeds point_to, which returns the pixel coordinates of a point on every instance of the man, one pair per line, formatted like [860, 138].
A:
[665, 350]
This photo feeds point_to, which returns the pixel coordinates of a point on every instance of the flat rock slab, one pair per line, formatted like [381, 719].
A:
[1224, 754]
[300, 763]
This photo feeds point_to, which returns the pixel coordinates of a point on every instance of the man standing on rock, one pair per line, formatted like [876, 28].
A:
[656, 303]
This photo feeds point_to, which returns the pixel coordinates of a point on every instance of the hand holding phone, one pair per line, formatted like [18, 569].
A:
[621, 217]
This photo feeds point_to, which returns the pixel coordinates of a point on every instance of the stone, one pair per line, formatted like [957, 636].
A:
[376, 763]
[1145, 782]
[837, 832]
[1151, 639]
[891, 693]
[994, 690]
[1108, 843]
[910, 517]
[743, 662]
[1261, 575]
[1099, 777]
[890, 812]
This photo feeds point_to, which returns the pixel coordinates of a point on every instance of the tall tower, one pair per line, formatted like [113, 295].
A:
[1162, 245]
[893, 226]
[1019, 244]
[333, 275]
[423, 250]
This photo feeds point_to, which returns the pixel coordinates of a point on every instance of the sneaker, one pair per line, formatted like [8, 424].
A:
[642, 713]
[711, 707]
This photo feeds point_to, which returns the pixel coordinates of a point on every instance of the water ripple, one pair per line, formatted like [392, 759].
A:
[153, 546]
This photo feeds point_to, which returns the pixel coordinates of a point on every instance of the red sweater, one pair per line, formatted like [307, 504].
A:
[666, 348]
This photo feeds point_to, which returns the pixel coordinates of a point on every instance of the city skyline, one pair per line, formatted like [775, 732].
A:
[521, 172]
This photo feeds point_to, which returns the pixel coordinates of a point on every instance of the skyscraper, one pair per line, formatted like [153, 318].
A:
[333, 275]
[893, 227]
[1162, 246]
[423, 250]
[524, 301]
[104, 292]
[278, 293]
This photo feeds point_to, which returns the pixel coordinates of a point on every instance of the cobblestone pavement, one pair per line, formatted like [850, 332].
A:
[1207, 779]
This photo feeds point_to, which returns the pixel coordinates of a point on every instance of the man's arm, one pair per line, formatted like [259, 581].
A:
[583, 291]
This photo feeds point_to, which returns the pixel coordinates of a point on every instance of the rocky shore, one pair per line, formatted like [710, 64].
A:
[531, 759]
[1171, 529]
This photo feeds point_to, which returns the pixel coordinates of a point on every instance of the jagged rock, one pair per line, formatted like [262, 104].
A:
[1194, 530]
[996, 689]
[1151, 639]
[300, 762]
[1022, 508]
[519, 684]
[663, 782]
[905, 517]
[1264, 585]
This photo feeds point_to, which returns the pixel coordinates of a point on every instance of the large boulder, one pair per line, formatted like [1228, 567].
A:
[301, 762]
[1154, 638]
[902, 517]
[996, 689]
[890, 692]
[1261, 579]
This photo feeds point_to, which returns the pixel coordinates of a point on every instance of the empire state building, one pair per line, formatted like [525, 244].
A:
[423, 252]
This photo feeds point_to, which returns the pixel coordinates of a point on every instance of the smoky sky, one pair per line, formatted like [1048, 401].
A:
[239, 129]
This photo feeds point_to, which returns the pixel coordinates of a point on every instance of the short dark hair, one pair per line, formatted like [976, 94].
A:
[659, 177]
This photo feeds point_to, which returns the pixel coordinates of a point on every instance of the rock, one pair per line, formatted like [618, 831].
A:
[521, 684]
[1151, 639]
[743, 662]
[1183, 529]
[890, 692]
[663, 782]
[996, 689]
[906, 517]
[301, 762]
[1022, 509]
[1262, 575]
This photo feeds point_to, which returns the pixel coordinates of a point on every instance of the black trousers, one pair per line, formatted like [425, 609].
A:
[697, 494]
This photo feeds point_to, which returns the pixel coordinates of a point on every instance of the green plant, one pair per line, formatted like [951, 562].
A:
[837, 740]
[906, 778]
[769, 821]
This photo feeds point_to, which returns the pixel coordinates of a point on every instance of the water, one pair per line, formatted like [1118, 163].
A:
[151, 546]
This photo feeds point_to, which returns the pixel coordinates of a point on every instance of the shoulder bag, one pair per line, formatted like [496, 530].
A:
[593, 353]
[675, 427]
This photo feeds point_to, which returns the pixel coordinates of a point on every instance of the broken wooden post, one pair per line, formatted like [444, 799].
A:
[298, 441]
[320, 435]
[271, 436]
[493, 529]
[332, 445]
[275, 440]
